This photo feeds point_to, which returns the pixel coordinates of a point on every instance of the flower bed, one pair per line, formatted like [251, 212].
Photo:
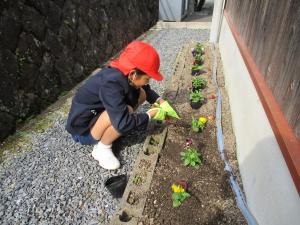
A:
[189, 185]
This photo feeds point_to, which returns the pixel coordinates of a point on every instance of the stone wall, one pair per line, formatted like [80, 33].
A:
[47, 47]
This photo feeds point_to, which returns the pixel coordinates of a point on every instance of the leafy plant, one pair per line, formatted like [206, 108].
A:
[191, 157]
[200, 46]
[198, 125]
[197, 67]
[199, 58]
[137, 180]
[179, 195]
[198, 82]
[196, 96]
[199, 49]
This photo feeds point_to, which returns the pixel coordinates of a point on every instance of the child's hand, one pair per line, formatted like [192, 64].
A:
[157, 114]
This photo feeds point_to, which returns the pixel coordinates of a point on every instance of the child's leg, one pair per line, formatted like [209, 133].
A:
[103, 125]
[103, 129]
[107, 134]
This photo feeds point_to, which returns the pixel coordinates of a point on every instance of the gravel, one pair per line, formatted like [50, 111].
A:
[58, 182]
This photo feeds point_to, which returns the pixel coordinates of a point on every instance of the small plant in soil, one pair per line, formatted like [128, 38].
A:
[137, 180]
[179, 195]
[199, 59]
[196, 96]
[198, 125]
[199, 49]
[197, 69]
[191, 157]
[196, 99]
[198, 83]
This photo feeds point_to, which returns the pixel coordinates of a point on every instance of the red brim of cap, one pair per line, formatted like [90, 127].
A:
[155, 75]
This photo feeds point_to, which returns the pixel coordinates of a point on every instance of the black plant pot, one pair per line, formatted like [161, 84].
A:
[195, 105]
[197, 72]
[116, 185]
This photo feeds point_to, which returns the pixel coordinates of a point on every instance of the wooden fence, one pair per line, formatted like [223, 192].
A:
[271, 31]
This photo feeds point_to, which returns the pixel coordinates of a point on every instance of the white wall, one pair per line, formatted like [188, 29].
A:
[172, 10]
[270, 192]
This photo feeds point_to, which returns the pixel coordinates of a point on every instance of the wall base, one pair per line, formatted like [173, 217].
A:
[270, 191]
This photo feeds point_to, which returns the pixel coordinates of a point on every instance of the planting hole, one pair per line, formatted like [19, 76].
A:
[124, 217]
[132, 198]
[150, 150]
[153, 141]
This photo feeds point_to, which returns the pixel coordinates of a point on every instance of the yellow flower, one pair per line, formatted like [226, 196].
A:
[203, 120]
[177, 188]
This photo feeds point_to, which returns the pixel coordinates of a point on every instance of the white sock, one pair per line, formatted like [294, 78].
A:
[103, 153]
[101, 145]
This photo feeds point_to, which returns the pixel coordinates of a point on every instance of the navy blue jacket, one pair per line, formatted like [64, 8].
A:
[107, 90]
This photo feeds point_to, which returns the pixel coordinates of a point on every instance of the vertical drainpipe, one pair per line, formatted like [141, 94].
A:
[216, 21]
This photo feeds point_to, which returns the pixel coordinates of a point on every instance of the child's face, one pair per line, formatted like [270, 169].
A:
[138, 80]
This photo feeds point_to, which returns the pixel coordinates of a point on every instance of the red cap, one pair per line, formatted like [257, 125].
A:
[141, 56]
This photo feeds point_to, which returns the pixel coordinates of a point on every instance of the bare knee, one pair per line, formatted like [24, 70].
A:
[102, 123]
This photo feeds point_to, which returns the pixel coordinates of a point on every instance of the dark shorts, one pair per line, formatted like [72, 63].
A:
[85, 139]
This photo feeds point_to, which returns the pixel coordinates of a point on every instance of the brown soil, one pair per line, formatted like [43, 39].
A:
[211, 201]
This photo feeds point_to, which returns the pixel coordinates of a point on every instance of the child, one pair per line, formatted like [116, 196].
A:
[103, 109]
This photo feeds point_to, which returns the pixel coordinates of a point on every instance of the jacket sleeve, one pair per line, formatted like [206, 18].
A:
[151, 96]
[112, 95]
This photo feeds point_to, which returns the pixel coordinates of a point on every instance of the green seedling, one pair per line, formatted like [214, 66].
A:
[198, 83]
[191, 157]
[179, 197]
[199, 58]
[137, 180]
[198, 125]
[200, 47]
[196, 96]
[197, 67]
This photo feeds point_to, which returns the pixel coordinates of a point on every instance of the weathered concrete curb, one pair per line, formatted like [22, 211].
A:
[135, 194]
[160, 25]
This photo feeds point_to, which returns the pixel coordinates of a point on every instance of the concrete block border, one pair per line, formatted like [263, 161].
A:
[134, 197]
